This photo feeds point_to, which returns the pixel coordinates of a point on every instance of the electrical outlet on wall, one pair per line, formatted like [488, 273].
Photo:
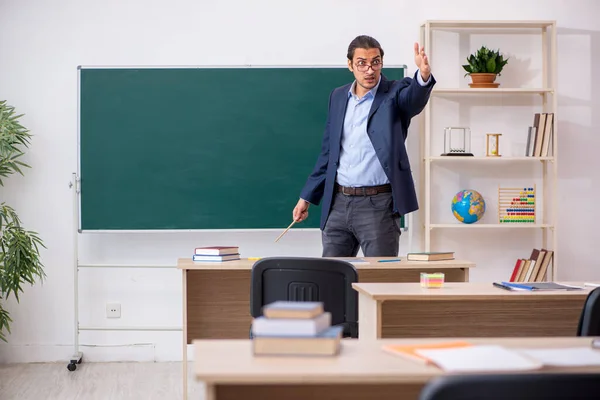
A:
[113, 310]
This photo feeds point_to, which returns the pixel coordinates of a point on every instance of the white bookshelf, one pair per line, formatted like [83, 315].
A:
[506, 97]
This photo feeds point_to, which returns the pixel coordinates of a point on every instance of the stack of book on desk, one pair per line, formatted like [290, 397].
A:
[216, 253]
[295, 328]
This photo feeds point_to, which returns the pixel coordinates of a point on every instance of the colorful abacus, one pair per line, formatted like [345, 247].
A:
[516, 205]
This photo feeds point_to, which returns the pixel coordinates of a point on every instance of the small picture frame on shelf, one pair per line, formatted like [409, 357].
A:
[457, 142]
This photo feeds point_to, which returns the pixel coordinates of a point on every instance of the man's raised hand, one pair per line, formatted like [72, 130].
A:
[422, 62]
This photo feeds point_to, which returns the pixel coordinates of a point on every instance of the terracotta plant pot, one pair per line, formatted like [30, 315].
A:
[483, 80]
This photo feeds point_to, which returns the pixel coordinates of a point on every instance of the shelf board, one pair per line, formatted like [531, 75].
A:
[490, 226]
[450, 91]
[487, 24]
[488, 159]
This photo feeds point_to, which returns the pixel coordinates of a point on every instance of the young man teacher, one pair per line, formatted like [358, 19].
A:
[363, 176]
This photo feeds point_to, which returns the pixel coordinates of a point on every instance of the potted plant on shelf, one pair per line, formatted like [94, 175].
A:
[19, 248]
[483, 67]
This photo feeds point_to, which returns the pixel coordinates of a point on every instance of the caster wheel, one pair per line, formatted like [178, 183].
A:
[72, 367]
[79, 361]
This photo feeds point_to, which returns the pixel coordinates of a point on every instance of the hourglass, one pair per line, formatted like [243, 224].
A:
[492, 147]
[457, 142]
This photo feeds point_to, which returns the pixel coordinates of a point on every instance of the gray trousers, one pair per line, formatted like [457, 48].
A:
[365, 221]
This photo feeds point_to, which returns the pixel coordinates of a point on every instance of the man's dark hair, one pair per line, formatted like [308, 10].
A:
[363, 42]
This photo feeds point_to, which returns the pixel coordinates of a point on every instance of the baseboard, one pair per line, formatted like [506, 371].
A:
[24, 353]
[142, 352]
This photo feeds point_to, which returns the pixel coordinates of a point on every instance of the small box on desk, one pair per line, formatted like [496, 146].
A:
[432, 280]
[295, 328]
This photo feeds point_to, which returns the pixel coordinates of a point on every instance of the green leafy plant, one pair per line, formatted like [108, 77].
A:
[19, 248]
[485, 60]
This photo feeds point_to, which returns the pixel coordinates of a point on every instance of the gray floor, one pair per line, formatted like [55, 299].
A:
[95, 381]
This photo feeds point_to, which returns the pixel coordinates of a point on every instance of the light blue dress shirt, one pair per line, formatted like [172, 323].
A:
[358, 164]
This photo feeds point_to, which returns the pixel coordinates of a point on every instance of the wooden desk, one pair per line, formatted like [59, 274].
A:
[216, 296]
[395, 310]
[361, 371]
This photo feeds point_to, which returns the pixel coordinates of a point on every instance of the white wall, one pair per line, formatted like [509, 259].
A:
[42, 43]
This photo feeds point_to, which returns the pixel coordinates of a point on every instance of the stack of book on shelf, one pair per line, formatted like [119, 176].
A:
[290, 328]
[431, 256]
[532, 269]
[216, 253]
[539, 137]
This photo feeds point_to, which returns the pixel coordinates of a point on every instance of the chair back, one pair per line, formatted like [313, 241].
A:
[513, 386]
[589, 321]
[307, 279]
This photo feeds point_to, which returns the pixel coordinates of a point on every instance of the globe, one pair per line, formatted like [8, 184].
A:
[468, 206]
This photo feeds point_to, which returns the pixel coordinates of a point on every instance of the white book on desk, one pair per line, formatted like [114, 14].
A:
[263, 326]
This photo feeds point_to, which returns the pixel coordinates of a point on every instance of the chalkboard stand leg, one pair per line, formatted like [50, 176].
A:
[75, 359]
[408, 228]
[185, 335]
[77, 355]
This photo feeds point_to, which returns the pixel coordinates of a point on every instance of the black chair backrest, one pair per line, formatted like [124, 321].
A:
[513, 386]
[307, 279]
[589, 322]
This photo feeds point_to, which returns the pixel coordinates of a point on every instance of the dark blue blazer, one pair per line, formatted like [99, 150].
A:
[395, 103]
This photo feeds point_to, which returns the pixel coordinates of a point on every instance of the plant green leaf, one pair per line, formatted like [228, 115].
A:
[491, 65]
[5, 321]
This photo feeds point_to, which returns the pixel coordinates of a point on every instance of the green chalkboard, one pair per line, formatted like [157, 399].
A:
[200, 148]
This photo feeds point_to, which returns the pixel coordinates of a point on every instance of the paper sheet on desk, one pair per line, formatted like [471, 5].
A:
[355, 260]
[565, 357]
[479, 358]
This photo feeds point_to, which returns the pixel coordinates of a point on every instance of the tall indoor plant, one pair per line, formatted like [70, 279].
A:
[19, 248]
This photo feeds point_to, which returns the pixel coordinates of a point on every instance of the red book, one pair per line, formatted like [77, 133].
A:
[516, 269]
[216, 250]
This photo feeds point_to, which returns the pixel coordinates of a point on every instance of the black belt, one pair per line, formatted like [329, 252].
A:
[364, 190]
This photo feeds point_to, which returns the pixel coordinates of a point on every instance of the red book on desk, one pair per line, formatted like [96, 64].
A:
[216, 250]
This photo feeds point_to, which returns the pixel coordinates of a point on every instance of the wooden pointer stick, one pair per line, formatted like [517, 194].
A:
[283, 233]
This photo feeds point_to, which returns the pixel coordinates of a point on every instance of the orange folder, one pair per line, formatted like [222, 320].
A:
[409, 351]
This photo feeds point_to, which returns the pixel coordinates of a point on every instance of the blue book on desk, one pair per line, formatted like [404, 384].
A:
[541, 286]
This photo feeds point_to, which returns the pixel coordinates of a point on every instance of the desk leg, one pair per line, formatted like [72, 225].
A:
[369, 318]
[210, 392]
[466, 272]
[184, 358]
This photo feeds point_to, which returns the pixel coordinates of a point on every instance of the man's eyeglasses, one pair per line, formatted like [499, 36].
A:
[362, 66]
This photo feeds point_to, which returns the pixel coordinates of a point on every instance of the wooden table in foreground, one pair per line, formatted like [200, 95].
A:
[216, 296]
[396, 310]
[362, 370]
